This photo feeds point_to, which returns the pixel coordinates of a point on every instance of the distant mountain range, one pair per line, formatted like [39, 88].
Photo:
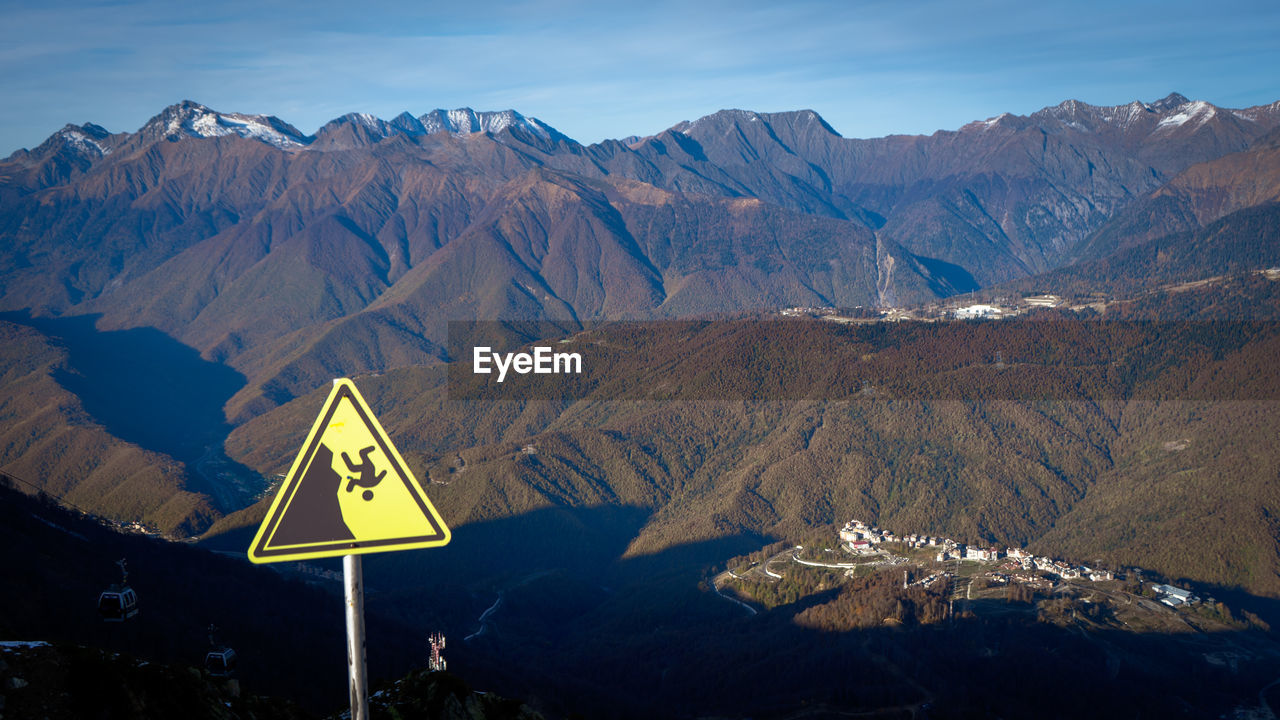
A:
[293, 258]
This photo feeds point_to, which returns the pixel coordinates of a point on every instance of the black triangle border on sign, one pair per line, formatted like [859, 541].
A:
[261, 552]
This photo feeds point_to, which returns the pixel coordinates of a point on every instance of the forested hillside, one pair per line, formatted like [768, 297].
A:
[1024, 432]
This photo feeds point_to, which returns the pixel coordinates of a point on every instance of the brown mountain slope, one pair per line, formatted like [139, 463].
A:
[1245, 241]
[970, 452]
[1232, 182]
[558, 247]
[1195, 198]
[48, 439]
[1204, 473]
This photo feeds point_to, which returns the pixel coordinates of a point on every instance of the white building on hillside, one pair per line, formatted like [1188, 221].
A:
[971, 312]
[973, 552]
[1173, 596]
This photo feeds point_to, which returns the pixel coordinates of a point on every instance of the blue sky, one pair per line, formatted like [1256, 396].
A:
[596, 70]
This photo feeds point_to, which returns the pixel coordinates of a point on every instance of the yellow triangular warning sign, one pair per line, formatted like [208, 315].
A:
[349, 492]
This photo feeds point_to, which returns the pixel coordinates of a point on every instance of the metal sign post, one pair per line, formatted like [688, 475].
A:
[353, 585]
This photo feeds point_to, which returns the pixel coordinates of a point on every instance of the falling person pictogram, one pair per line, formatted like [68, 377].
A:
[366, 469]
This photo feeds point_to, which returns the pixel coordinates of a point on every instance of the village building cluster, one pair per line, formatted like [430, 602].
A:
[996, 309]
[859, 537]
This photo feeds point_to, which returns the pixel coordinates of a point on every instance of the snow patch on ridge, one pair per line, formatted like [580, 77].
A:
[1199, 111]
[996, 120]
[85, 144]
[989, 123]
[1126, 115]
[1258, 113]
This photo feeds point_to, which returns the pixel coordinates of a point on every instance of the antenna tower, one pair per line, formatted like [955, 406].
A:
[437, 662]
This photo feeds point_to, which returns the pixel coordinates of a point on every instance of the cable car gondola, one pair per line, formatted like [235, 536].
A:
[220, 661]
[119, 602]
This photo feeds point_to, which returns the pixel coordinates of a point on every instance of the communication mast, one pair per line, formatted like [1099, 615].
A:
[437, 662]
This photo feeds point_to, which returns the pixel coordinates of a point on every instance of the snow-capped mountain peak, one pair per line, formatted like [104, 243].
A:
[1085, 117]
[83, 143]
[191, 119]
[462, 121]
[1164, 115]
[89, 140]
[465, 121]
